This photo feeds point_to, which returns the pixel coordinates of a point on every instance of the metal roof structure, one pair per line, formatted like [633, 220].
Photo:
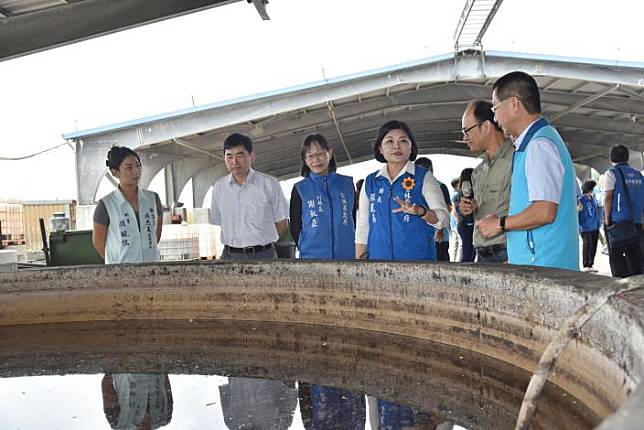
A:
[29, 26]
[474, 22]
[594, 105]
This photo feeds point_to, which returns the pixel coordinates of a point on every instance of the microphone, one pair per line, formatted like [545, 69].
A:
[467, 192]
[466, 189]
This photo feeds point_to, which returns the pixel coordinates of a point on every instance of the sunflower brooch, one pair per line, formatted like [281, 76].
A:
[408, 184]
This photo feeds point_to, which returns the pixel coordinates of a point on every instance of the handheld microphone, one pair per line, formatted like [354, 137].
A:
[466, 189]
[467, 192]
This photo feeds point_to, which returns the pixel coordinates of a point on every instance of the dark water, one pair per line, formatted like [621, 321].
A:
[249, 375]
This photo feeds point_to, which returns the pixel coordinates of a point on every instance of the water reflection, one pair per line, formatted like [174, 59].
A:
[397, 417]
[264, 368]
[134, 401]
[252, 403]
[331, 408]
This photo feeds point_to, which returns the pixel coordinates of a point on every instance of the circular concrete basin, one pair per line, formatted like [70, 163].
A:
[508, 313]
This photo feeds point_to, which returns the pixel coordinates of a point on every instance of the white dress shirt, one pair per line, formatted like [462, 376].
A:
[544, 170]
[247, 213]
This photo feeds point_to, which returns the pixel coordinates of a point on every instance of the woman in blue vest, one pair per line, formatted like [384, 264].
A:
[321, 208]
[128, 221]
[321, 223]
[399, 202]
[589, 222]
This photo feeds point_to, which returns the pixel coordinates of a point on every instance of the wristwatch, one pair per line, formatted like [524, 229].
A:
[502, 223]
[424, 211]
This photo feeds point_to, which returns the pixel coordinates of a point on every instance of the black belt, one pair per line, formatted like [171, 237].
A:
[486, 251]
[249, 249]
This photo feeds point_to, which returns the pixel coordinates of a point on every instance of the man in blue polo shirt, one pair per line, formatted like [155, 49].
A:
[542, 225]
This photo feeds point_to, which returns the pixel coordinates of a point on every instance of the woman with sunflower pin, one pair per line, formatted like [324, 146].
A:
[399, 202]
[321, 210]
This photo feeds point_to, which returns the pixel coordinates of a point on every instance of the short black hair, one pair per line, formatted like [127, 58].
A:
[324, 144]
[238, 139]
[588, 186]
[466, 174]
[386, 128]
[359, 185]
[482, 111]
[522, 86]
[618, 154]
[426, 163]
[117, 154]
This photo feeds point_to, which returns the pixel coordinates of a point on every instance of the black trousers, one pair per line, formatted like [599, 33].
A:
[626, 261]
[466, 231]
[589, 248]
[442, 251]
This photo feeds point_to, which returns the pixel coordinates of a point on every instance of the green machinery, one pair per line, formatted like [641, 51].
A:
[72, 248]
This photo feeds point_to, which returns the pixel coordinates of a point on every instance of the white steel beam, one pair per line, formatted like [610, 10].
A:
[474, 22]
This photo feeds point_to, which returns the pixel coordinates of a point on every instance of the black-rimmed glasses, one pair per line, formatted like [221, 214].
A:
[468, 129]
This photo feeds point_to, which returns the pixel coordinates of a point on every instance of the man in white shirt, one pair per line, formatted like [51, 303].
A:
[541, 226]
[248, 205]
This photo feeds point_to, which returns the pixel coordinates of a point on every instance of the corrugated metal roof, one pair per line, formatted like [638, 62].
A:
[29, 26]
[18, 7]
[593, 103]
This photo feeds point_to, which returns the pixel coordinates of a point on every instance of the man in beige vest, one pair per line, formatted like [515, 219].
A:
[490, 180]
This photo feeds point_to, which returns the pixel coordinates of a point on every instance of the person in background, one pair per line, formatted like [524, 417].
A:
[359, 185]
[248, 205]
[321, 211]
[623, 201]
[453, 221]
[599, 195]
[127, 221]
[465, 223]
[441, 236]
[589, 222]
[398, 201]
[490, 179]
[541, 226]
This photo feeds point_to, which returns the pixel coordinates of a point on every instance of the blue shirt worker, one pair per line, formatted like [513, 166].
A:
[589, 222]
[541, 226]
[623, 201]
[399, 202]
[128, 221]
[321, 208]
[248, 205]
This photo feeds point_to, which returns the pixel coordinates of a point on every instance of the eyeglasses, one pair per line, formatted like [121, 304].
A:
[317, 155]
[496, 106]
[391, 142]
[466, 130]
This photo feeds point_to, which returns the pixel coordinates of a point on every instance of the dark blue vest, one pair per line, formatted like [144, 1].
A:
[589, 214]
[620, 210]
[398, 236]
[328, 231]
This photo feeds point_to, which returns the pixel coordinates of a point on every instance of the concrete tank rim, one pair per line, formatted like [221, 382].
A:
[628, 414]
